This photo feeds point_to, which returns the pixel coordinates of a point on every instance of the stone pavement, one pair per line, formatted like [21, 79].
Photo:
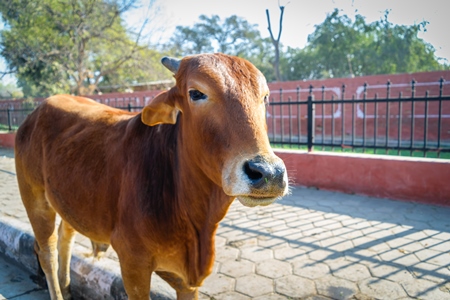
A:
[314, 244]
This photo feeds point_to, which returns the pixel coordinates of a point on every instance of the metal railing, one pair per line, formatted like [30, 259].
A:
[416, 121]
[409, 123]
[11, 119]
[12, 116]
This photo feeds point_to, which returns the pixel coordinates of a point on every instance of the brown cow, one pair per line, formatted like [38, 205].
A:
[155, 184]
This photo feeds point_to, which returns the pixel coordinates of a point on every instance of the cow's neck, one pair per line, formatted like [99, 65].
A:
[204, 204]
[175, 194]
[204, 207]
[204, 199]
[171, 184]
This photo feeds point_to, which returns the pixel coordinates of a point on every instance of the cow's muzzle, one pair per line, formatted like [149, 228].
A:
[264, 175]
[267, 180]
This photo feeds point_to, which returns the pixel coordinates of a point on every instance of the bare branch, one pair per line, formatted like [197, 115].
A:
[276, 42]
[116, 64]
[281, 23]
[269, 28]
[4, 73]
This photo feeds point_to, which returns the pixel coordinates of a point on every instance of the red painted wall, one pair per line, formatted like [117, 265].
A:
[7, 140]
[289, 121]
[403, 178]
[352, 84]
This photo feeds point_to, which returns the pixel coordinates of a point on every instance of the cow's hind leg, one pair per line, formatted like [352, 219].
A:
[39, 278]
[42, 218]
[66, 237]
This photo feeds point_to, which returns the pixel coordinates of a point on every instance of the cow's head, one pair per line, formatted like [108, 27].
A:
[222, 101]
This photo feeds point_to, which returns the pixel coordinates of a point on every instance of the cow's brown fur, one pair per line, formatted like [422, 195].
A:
[156, 184]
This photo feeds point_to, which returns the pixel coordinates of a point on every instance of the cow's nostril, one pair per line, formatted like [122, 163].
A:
[253, 171]
[257, 173]
[261, 173]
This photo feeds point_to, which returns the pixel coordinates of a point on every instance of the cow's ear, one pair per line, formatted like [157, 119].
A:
[160, 110]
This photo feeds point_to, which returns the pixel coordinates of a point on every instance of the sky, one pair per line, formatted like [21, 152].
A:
[300, 17]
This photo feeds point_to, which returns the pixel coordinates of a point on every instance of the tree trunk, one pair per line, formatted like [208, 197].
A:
[276, 43]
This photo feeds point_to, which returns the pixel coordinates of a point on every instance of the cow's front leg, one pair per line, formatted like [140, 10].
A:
[188, 295]
[184, 292]
[135, 265]
[136, 276]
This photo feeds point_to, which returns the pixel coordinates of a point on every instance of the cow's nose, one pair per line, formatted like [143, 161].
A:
[262, 173]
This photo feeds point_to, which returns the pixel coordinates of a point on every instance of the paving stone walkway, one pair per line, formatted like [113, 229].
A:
[315, 245]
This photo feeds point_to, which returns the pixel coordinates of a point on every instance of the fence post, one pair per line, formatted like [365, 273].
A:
[8, 111]
[129, 106]
[311, 121]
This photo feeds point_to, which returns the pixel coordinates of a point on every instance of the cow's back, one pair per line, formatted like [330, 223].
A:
[64, 148]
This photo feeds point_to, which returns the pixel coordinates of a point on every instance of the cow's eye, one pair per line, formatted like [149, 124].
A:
[196, 95]
[266, 99]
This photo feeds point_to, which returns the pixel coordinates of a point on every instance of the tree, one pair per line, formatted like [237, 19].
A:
[66, 46]
[276, 42]
[340, 47]
[301, 64]
[9, 90]
[263, 58]
[145, 67]
[405, 51]
[234, 36]
[340, 40]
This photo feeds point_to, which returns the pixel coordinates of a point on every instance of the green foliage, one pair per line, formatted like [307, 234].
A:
[69, 46]
[145, 67]
[233, 36]
[263, 58]
[28, 43]
[77, 46]
[340, 47]
[9, 91]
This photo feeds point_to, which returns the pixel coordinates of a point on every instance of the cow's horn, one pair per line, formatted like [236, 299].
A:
[171, 63]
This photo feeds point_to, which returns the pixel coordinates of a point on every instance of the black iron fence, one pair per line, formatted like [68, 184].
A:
[414, 121]
[10, 118]
[13, 115]
[411, 122]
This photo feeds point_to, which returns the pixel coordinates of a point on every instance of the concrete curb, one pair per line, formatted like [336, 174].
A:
[89, 279]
